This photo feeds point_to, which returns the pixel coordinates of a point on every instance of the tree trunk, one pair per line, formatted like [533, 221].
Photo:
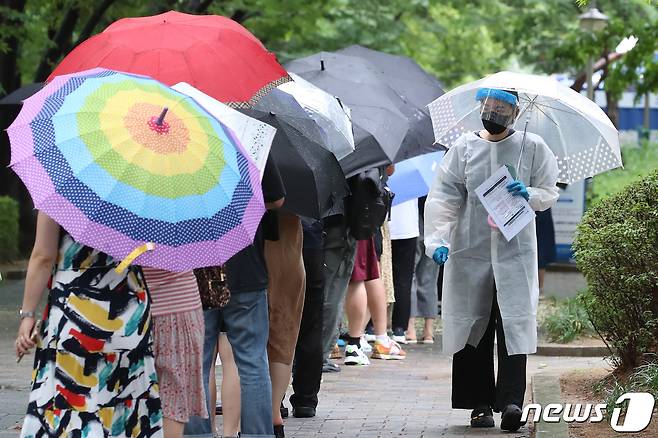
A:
[613, 108]
[62, 44]
[598, 65]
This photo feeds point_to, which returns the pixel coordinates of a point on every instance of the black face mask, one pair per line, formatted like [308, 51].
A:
[493, 128]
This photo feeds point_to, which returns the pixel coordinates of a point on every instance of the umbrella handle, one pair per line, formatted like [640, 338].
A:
[150, 246]
[525, 130]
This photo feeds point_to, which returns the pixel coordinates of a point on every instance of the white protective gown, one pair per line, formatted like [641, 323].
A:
[479, 254]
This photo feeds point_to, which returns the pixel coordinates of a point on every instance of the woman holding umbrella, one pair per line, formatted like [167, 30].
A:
[490, 287]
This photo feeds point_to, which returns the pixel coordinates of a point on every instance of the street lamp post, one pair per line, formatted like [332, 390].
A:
[592, 21]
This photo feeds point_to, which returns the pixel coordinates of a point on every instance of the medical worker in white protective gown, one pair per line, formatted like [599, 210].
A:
[490, 285]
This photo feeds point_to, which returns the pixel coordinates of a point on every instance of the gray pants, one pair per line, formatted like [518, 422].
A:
[339, 253]
[424, 293]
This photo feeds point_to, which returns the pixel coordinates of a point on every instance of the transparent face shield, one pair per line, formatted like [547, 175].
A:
[497, 106]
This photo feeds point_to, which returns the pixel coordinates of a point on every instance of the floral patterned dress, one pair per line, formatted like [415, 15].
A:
[94, 372]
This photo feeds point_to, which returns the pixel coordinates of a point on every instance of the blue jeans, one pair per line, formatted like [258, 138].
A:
[247, 326]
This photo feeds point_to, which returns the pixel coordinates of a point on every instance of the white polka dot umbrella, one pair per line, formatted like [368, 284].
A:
[580, 134]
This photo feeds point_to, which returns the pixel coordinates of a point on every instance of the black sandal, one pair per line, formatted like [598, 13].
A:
[482, 417]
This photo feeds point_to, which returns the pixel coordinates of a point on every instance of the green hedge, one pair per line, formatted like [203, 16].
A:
[8, 228]
[616, 249]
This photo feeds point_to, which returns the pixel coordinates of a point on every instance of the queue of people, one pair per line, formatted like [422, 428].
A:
[133, 353]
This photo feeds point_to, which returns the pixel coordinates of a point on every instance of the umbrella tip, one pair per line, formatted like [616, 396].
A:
[162, 116]
[322, 64]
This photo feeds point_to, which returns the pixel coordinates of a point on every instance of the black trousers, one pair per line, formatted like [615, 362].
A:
[403, 253]
[473, 381]
[307, 369]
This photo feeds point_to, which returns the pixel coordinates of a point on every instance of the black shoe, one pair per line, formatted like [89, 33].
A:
[284, 411]
[511, 418]
[303, 411]
[330, 367]
[278, 431]
[482, 417]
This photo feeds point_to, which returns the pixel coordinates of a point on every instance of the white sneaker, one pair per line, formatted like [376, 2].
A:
[365, 347]
[370, 337]
[399, 339]
[354, 356]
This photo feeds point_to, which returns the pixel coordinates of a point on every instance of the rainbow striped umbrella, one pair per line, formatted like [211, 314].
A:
[137, 170]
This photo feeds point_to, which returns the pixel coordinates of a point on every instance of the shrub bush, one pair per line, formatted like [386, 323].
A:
[8, 228]
[616, 249]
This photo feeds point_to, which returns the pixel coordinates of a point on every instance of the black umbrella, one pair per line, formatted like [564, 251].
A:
[314, 181]
[17, 97]
[403, 74]
[367, 153]
[287, 108]
[401, 128]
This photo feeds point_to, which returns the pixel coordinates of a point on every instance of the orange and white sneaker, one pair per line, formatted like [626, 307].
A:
[392, 351]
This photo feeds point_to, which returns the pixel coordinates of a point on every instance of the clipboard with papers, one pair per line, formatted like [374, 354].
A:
[511, 214]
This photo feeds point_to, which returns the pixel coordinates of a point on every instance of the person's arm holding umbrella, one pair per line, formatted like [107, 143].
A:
[42, 259]
[446, 196]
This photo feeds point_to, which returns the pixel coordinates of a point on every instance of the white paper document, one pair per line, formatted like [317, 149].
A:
[510, 213]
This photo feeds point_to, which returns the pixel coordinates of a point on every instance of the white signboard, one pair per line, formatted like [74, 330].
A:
[567, 214]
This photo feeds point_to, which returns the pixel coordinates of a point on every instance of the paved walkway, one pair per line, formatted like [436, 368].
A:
[388, 399]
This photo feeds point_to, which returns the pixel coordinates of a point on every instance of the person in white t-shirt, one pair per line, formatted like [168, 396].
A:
[404, 232]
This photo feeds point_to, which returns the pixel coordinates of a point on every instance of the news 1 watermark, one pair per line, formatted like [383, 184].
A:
[636, 418]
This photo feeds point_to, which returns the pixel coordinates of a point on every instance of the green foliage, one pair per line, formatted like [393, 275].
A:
[638, 162]
[567, 321]
[616, 250]
[8, 228]
[644, 378]
[456, 40]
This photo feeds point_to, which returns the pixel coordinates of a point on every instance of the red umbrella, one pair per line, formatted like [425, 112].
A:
[214, 54]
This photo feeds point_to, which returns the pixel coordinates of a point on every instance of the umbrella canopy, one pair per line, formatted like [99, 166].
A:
[367, 154]
[255, 136]
[376, 107]
[126, 164]
[17, 97]
[579, 133]
[403, 74]
[413, 178]
[286, 108]
[327, 111]
[313, 179]
[212, 53]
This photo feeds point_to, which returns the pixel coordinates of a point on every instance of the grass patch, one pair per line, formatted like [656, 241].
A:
[566, 320]
[642, 379]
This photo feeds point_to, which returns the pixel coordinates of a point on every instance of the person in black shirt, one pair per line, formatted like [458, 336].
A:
[245, 319]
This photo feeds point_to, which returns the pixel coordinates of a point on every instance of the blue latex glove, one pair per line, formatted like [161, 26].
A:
[440, 255]
[517, 188]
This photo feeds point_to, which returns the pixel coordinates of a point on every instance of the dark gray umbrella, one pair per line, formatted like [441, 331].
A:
[314, 181]
[287, 108]
[402, 129]
[403, 74]
[367, 154]
[17, 97]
